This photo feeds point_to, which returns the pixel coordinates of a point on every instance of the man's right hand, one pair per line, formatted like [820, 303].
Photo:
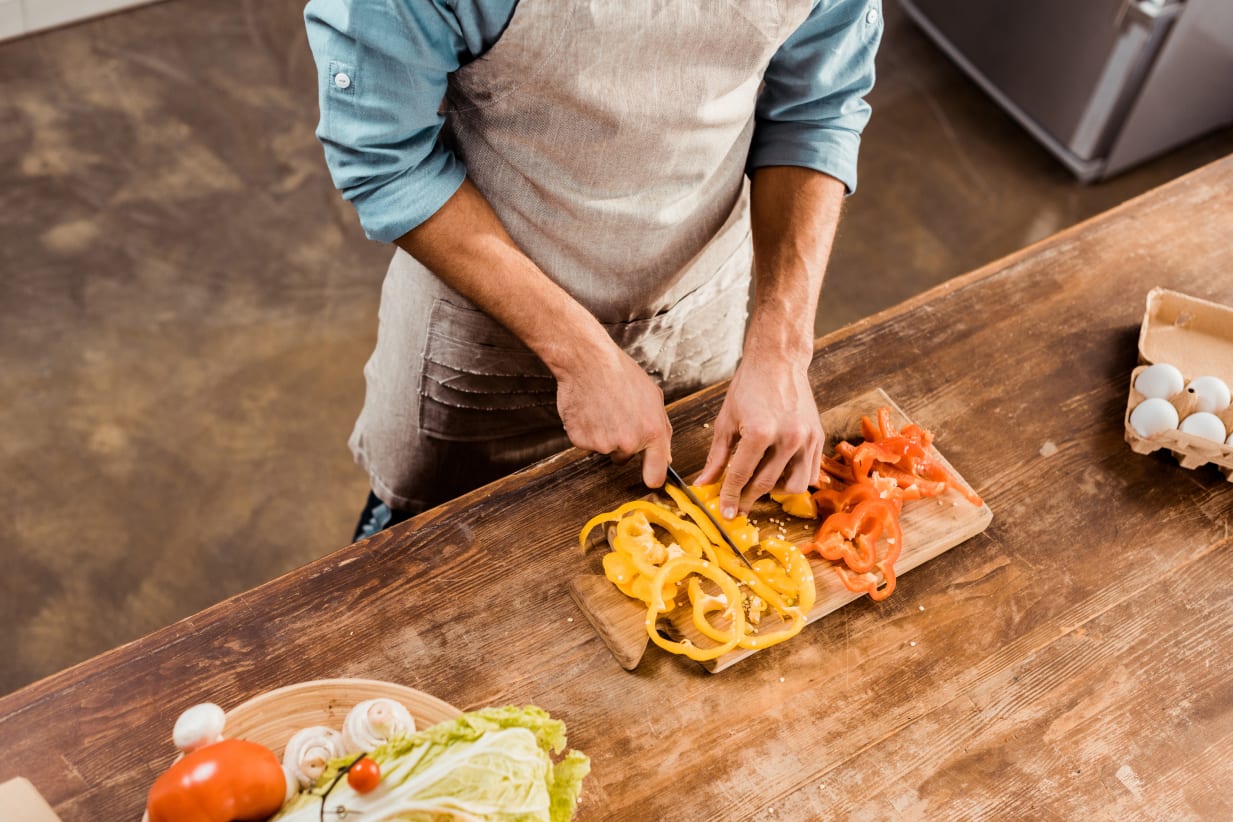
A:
[609, 405]
[607, 402]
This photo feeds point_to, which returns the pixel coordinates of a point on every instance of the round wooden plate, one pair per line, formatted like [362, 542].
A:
[273, 717]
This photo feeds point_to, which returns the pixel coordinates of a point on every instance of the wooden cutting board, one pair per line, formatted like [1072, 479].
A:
[930, 526]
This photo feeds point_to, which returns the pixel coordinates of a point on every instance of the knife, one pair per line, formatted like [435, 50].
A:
[676, 480]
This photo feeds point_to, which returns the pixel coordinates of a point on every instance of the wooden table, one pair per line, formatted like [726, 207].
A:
[1074, 661]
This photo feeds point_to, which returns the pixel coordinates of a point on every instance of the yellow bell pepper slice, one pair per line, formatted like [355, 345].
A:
[797, 505]
[704, 603]
[675, 570]
[643, 567]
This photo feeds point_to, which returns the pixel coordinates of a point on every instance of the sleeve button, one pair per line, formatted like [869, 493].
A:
[871, 16]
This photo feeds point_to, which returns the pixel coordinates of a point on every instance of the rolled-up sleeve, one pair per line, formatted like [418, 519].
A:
[812, 109]
[381, 76]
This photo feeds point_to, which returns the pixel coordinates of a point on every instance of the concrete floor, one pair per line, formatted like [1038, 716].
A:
[186, 304]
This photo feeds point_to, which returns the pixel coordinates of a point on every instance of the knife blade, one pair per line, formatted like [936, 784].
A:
[676, 480]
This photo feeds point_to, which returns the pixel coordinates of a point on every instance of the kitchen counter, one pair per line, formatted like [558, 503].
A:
[1074, 660]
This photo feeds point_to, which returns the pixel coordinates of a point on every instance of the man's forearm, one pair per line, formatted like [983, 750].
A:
[607, 402]
[466, 246]
[794, 213]
[768, 433]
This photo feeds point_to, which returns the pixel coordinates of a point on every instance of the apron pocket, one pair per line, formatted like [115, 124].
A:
[479, 382]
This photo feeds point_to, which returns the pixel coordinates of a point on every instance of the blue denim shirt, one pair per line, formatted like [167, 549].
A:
[382, 68]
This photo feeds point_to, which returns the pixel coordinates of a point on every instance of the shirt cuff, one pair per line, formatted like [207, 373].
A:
[406, 200]
[830, 150]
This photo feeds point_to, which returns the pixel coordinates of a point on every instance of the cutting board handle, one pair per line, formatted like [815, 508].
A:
[619, 620]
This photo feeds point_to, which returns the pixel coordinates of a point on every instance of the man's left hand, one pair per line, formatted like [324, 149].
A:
[768, 436]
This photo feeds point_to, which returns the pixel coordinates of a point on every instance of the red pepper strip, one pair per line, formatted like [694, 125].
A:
[909, 448]
[884, 423]
[915, 432]
[910, 485]
[866, 454]
[859, 553]
[935, 472]
[883, 429]
[888, 571]
[852, 536]
[877, 475]
[832, 467]
[831, 497]
[847, 498]
[899, 450]
[893, 533]
[867, 583]
[869, 431]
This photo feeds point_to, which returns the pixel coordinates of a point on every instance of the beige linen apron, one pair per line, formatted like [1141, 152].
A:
[611, 140]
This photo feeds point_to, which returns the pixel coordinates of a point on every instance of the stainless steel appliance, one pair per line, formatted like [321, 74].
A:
[1104, 84]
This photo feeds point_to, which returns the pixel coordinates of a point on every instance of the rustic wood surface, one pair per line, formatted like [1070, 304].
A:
[930, 527]
[1073, 661]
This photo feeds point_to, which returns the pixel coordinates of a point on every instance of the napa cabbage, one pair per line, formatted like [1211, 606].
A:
[495, 765]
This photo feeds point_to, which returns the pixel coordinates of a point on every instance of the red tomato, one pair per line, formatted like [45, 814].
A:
[364, 775]
[230, 780]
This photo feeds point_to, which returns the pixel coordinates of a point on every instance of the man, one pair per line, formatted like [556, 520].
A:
[565, 182]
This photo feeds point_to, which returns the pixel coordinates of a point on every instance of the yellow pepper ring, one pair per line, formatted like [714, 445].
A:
[630, 518]
[735, 568]
[642, 567]
[798, 570]
[758, 641]
[685, 533]
[802, 572]
[699, 599]
[680, 567]
[634, 538]
[774, 575]
[701, 520]
[726, 558]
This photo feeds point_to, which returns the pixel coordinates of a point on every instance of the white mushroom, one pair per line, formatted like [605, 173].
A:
[197, 727]
[373, 721]
[309, 752]
[293, 785]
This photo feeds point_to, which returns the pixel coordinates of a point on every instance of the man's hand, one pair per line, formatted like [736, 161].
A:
[768, 434]
[607, 402]
[609, 405]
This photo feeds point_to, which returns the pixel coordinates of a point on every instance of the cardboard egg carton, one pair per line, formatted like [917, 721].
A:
[1196, 337]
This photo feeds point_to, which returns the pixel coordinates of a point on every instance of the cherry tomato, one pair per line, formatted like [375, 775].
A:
[364, 775]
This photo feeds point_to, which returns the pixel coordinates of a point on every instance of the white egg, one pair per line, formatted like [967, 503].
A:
[1205, 425]
[1150, 417]
[1160, 381]
[1211, 394]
